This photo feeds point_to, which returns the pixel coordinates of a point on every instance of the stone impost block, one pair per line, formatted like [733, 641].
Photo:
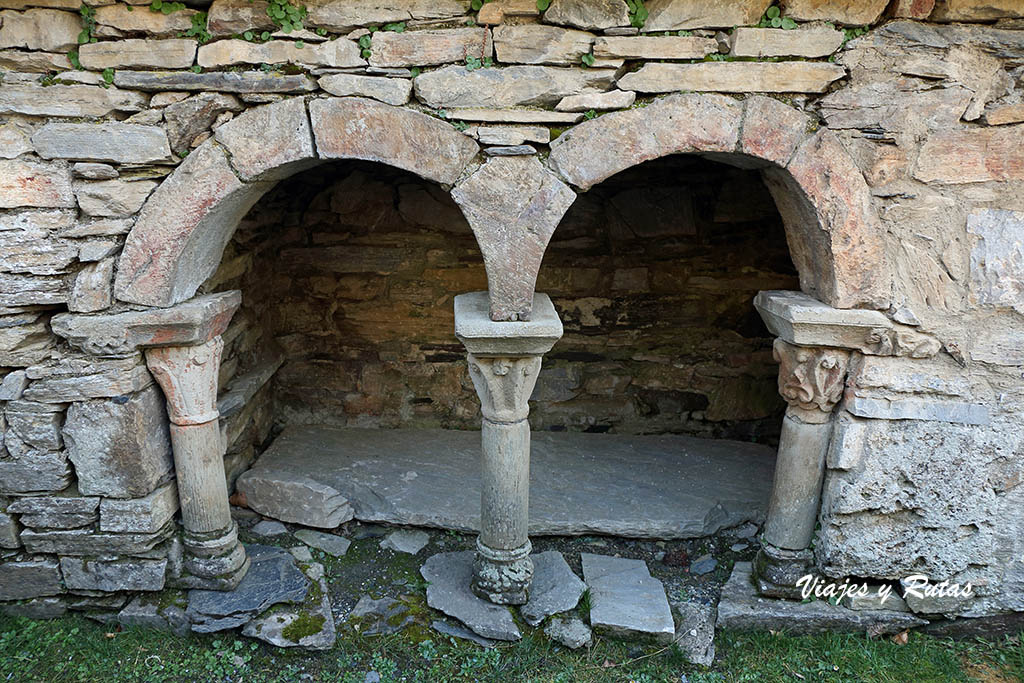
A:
[193, 322]
[802, 320]
[485, 337]
[122, 143]
[917, 409]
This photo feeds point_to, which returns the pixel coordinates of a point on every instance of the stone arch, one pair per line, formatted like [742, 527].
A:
[834, 235]
[183, 228]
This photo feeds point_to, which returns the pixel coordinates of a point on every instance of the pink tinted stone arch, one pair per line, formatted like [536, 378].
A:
[182, 230]
[833, 232]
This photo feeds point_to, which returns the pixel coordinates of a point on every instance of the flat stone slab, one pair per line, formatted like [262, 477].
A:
[331, 544]
[741, 608]
[407, 541]
[272, 578]
[695, 634]
[625, 600]
[309, 626]
[449, 576]
[555, 588]
[665, 486]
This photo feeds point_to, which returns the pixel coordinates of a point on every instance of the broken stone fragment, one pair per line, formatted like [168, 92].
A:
[569, 631]
[555, 588]
[449, 576]
[626, 601]
[309, 625]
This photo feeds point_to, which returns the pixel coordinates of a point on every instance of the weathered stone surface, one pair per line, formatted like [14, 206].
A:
[75, 379]
[20, 580]
[88, 542]
[513, 86]
[550, 118]
[268, 528]
[513, 206]
[333, 53]
[426, 48]
[447, 629]
[555, 588]
[174, 53]
[92, 289]
[743, 609]
[149, 611]
[817, 41]
[24, 340]
[650, 47]
[121, 143]
[510, 151]
[383, 616]
[194, 115]
[512, 135]
[394, 91]
[734, 77]
[39, 29]
[496, 11]
[802, 320]
[272, 578]
[540, 44]
[229, 17]
[38, 62]
[25, 183]
[34, 471]
[293, 499]
[344, 15]
[448, 576]
[122, 17]
[92, 171]
[671, 15]
[273, 625]
[616, 99]
[67, 100]
[140, 515]
[99, 575]
[121, 449]
[269, 142]
[626, 601]
[9, 529]
[914, 409]
[113, 198]
[31, 290]
[13, 142]
[56, 512]
[677, 124]
[36, 424]
[408, 541]
[972, 155]
[331, 544]
[13, 385]
[976, 10]
[997, 259]
[569, 631]
[695, 634]
[845, 12]
[222, 81]
[1002, 114]
[912, 9]
[592, 15]
[408, 140]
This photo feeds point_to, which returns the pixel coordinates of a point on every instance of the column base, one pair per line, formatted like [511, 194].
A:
[502, 576]
[776, 571]
[215, 561]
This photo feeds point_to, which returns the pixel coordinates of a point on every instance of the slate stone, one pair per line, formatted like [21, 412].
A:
[741, 608]
[555, 588]
[135, 574]
[301, 553]
[738, 547]
[407, 541]
[703, 565]
[221, 81]
[449, 576]
[269, 528]
[569, 631]
[145, 611]
[273, 625]
[510, 151]
[29, 579]
[626, 601]
[380, 617]
[272, 578]
[447, 629]
[329, 543]
[695, 634]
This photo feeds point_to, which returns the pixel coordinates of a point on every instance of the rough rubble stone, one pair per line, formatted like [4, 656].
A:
[9, 529]
[703, 565]
[616, 99]
[191, 116]
[380, 617]
[550, 118]
[555, 588]
[34, 471]
[845, 12]
[24, 342]
[912, 9]
[272, 578]
[409, 541]
[113, 198]
[88, 542]
[336, 53]
[741, 608]
[37, 425]
[569, 631]
[447, 629]
[592, 15]
[343, 15]
[512, 135]
[148, 611]
[67, 100]
[273, 625]
[733, 77]
[430, 47]
[13, 142]
[39, 29]
[695, 634]
[33, 62]
[113, 19]
[976, 10]
[269, 528]
[650, 47]
[448, 576]
[120, 448]
[93, 171]
[817, 41]
[626, 601]
[540, 44]
[331, 544]
[398, 137]
[12, 385]
[997, 259]
[672, 15]
[396, 91]
[25, 183]
[56, 512]
[24, 579]
[972, 155]
[140, 515]
[222, 81]
[234, 17]
[513, 86]
[99, 575]
[92, 290]
[134, 53]
[76, 379]
[269, 142]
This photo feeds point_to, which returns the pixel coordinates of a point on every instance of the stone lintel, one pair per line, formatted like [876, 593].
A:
[187, 324]
[485, 337]
[802, 320]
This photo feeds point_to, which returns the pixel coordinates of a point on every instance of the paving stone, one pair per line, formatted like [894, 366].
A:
[616, 99]
[743, 609]
[818, 41]
[67, 100]
[592, 15]
[448, 576]
[447, 629]
[133, 53]
[655, 47]
[429, 47]
[626, 601]
[272, 578]
[39, 29]
[396, 91]
[217, 81]
[733, 77]
[301, 553]
[672, 15]
[140, 515]
[25, 183]
[513, 86]
[569, 631]
[407, 541]
[695, 634]
[555, 588]
[269, 528]
[98, 575]
[704, 564]
[338, 53]
[331, 544]
[540, 44]
[309, 626]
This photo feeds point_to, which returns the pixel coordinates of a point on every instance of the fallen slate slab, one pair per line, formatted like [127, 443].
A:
[408, 541]
[448, 576]
[447, 629]
[625, 600]
[695, 634]
[741, 608]
[569, 631]
[379, 617]
[555, 588]
[331, 544]
[272, 578]
[309, 625]
[158, 611]
[269, 528]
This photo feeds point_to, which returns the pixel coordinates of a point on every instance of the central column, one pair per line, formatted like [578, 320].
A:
[504, 362]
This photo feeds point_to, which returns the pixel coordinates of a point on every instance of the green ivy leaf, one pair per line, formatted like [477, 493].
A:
[542, 5]
[475, 5]
[788, 24]
[415, 71]
[265, 35]
[248, 35]
[776, 22]
[772, 12]
[364, 41]
[588, 60]
[299, 44]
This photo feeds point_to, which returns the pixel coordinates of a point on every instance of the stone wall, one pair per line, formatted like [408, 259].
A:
[893, 146]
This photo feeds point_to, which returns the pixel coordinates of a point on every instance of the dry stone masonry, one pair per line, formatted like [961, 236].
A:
[218, 226]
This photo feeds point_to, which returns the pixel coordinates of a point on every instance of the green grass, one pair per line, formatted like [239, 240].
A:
[76, 649]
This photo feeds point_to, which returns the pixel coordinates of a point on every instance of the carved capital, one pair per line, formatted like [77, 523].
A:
[811, 379]
[504, 385]
[188, 376]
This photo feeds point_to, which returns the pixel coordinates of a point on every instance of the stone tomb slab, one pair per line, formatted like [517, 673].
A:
[633, 486]
[626, 601]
